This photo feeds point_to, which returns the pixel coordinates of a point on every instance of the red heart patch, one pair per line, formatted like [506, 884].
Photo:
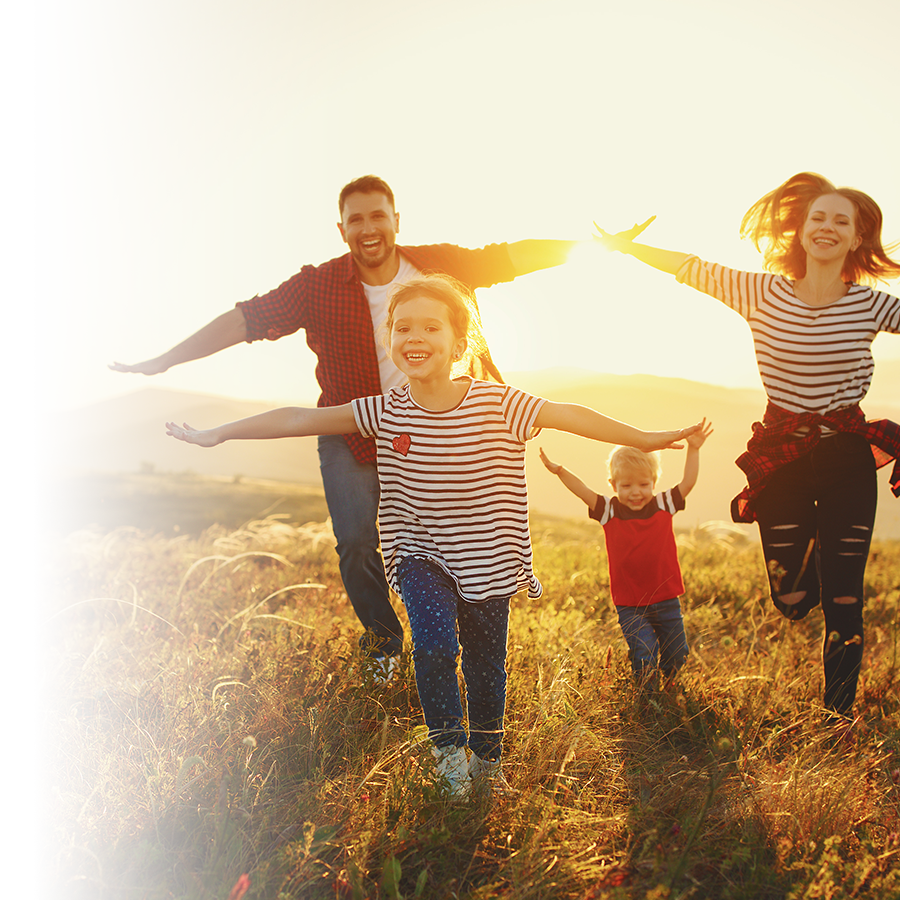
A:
[401, 443]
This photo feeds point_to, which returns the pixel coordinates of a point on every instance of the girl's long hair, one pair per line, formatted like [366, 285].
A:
[465, 320]
[774, 224]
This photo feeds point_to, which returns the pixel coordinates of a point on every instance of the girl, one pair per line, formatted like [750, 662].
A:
[453, 511]
[811, 463]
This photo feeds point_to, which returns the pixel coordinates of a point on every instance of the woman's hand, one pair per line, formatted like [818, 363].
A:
[617, 240]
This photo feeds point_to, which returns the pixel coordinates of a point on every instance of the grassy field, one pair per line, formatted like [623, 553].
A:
[211, 721]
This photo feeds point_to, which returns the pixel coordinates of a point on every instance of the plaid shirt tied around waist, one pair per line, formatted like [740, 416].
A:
[775, 443]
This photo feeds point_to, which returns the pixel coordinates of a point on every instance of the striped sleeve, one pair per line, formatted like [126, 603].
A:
[742, 291]
[520, 411]
[671, 500]
[367, 412]
[886, 309]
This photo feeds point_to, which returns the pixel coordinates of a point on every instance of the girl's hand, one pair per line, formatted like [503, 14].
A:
[189, 435]
[698, 438]
[552, 467]
[670, 440]
[615, 241]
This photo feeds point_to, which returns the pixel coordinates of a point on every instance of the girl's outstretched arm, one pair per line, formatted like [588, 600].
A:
[665, 260]
[587, 422]
[290, 421]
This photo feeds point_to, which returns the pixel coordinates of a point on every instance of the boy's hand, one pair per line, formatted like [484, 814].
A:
[671, 440]
[189, 435]
[698, 437]
[614, 241]
[551, 466]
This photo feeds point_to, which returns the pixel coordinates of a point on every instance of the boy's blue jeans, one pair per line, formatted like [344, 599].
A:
[655, 636]
[440, 621]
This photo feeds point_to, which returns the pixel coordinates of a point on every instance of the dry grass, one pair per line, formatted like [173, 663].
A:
[211, 719]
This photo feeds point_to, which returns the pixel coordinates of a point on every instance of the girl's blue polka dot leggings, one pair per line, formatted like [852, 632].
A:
[441, 623]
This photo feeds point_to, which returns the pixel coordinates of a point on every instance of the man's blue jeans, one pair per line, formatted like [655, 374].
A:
[655, 636]
[440, 621]
[352, 492]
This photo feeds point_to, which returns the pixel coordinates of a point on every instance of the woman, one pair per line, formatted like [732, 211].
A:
[811, 462]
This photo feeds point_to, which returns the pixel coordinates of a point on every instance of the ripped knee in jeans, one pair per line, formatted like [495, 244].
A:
[861, 536]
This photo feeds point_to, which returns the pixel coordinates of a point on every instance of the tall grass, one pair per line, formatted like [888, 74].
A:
[212, 719]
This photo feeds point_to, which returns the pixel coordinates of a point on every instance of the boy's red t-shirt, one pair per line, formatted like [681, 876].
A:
[640, 545]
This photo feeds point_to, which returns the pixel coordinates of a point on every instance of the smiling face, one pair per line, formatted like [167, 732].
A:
[634, 487]
[424, 345]
[369, 227]
[829, 232]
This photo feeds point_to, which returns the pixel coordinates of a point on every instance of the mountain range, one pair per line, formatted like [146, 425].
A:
[127, 434]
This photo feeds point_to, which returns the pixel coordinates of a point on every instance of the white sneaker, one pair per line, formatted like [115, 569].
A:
[384, 668]
[487, 775]
[453, 771]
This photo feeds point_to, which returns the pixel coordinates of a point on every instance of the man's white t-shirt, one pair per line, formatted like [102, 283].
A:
[377, 295]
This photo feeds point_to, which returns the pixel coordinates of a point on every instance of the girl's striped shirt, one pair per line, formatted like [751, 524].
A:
[811, 359]
[453, 485]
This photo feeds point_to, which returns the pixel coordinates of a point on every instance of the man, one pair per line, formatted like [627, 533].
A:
[341, 305]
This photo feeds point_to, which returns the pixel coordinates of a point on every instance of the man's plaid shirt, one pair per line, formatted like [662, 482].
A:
[775, 443]
[329, 303]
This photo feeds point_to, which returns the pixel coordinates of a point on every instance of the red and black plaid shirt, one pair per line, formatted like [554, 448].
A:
[329, 303]
[775, 443]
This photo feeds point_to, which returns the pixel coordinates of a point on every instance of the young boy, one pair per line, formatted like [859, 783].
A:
[644, 575]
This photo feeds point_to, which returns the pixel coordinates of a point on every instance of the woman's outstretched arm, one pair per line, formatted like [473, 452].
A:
[665, 260]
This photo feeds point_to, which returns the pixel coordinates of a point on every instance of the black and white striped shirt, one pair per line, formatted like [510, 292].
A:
[453, 485]
[811, 359]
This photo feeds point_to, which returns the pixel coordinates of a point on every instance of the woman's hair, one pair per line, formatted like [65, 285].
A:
[774, 224]
[462, 311]
[623, 458]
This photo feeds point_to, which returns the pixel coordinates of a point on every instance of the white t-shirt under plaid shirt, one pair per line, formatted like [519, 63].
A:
[453, 485]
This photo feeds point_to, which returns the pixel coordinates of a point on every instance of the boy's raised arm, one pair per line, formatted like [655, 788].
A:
[569, 479]
[587, 422]
[289, 421]
[692, 460]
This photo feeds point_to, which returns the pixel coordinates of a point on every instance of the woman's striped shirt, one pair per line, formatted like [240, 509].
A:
[811, 359]
[453, 485]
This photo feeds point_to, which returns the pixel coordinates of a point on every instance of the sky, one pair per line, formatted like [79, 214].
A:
[189, 155]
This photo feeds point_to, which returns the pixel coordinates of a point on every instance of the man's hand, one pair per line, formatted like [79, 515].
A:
[148, 367]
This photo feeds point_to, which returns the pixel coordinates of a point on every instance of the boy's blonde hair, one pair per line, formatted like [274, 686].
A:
[623, 458]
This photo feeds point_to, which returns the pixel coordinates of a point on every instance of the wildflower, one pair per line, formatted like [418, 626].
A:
[241, 886]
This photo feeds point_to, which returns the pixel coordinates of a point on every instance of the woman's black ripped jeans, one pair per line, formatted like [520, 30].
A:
[815, 518]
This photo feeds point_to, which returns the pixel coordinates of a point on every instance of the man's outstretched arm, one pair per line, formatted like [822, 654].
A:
[224, 331]
[532, 255]
[529, 256]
